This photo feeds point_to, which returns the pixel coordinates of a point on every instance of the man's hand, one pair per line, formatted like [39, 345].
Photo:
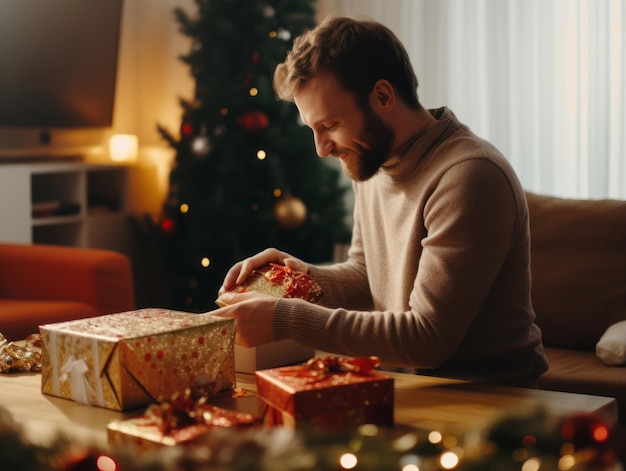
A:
[242, 270]
[254, 313]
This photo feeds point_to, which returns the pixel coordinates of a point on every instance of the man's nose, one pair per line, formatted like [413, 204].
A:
[323, 144]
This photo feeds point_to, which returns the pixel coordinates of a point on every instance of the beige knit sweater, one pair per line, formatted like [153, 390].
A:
[438, 272]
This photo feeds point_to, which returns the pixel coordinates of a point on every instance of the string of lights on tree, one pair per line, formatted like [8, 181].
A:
[246, 176]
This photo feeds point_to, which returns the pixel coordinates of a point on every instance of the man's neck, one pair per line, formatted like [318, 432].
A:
[409, 124]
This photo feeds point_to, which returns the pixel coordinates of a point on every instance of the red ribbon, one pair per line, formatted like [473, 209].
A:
[183, 410]
[296, 284]
[318, 368]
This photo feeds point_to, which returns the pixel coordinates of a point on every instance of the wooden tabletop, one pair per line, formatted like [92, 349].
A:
[419, 401]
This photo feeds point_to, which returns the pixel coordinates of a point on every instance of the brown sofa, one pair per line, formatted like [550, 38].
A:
[578, 252]
[44, 283]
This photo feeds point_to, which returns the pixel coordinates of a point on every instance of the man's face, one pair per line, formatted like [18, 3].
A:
[342, 128]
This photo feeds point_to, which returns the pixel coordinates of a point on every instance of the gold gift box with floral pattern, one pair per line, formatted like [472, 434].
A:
[128, 360]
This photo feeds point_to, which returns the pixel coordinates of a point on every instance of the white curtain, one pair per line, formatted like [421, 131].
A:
[544, 80]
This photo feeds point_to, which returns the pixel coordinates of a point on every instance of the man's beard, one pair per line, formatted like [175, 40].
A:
[380, 138]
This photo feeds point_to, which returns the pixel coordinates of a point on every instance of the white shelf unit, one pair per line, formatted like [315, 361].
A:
[65, 203]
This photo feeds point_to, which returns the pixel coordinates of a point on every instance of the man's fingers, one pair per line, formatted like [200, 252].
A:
[243, 269]
[296, 264]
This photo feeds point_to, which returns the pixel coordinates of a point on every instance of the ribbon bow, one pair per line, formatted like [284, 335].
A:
[80, 388]
[183, 410]
[319, 368]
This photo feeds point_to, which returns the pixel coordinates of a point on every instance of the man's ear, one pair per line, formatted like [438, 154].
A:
[383, 95]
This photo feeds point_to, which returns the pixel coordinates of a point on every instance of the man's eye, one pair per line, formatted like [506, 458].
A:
[332, 126]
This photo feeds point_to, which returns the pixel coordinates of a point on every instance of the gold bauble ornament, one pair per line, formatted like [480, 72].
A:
[290, 212]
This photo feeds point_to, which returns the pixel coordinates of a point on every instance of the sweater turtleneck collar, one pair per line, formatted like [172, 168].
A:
[403, 164]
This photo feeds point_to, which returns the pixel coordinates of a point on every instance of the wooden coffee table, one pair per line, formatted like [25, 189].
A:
[419, 401]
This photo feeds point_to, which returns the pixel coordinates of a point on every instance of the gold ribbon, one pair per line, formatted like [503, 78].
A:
[15, 358]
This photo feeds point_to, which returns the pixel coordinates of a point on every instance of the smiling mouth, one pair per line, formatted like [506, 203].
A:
[339, 154]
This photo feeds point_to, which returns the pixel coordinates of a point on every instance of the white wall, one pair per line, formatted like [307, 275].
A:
[151, 79]
[150, 76]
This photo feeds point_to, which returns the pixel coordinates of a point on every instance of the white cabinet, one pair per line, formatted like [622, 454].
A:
[65, 203]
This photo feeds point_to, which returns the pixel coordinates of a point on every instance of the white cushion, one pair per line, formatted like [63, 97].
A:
[611, 348]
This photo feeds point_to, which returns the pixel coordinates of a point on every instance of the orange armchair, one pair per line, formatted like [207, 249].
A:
[41, 284]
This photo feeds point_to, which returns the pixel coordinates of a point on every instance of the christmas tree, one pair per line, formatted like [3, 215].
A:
[246, 176]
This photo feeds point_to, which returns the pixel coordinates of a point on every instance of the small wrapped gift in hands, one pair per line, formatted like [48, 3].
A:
[282, 282]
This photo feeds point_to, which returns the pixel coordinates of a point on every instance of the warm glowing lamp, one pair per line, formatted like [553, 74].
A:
[123, 147]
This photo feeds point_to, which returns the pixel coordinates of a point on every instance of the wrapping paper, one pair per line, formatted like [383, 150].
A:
[129, 360]
[281, 282]
[330, 394]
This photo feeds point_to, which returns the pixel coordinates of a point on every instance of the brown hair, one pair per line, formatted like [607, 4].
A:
[357, 53]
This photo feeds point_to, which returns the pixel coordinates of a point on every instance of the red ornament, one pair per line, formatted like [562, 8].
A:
[252, 121]
[187, 129]
[167, 225]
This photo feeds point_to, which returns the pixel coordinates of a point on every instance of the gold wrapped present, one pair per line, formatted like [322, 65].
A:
[128, 360]
[281, 282]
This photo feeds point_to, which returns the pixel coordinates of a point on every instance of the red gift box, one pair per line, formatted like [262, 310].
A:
[330, 394]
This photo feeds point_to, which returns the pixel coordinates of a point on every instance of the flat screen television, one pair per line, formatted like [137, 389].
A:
[58, 69]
